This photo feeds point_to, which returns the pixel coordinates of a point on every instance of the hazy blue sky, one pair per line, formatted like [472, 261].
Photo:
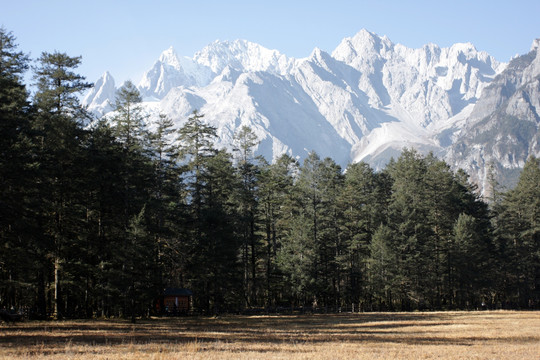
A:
[126, 37]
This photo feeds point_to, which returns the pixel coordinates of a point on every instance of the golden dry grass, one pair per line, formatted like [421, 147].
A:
[443, 335]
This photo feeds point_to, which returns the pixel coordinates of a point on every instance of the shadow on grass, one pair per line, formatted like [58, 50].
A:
[267, 331]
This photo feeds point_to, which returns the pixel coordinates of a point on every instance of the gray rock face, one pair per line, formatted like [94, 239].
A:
[503, 129]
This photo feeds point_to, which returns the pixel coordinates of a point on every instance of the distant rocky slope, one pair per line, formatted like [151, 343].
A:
[503, 129]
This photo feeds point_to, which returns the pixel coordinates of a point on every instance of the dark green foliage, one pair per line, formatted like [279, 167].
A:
[58, 86]
[308, 257]
[15, 175]
[210, 243]
[129, 123]
[518, 221]
[248, 172]
[382, 272]
[364, 203]
[469, 267]
[275, 187]
[427, 201]
[59, 135]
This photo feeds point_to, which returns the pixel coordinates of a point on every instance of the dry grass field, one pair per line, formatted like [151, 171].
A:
[442, 335]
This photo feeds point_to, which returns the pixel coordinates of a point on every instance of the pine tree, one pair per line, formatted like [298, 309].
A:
[196, 145]
[384, 275]
[275, 188]
[519, 224]
[137, 173]
[476, 228]
[104, 223]
[444, 208]
[408, 212]
[129, 118]
[332, 245]
[17, 190]
[427, 200]
[130, 131]
[313, 237]
[364, 205]
[210, 240]
[245, 140]
[58, 123]
[138, 268]
[59, 87]
[164, 210]
[468, 262]
[219, 236]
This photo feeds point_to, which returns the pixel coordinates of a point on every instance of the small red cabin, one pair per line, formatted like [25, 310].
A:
[176, 301]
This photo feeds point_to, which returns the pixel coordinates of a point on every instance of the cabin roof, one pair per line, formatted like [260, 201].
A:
[177, 292]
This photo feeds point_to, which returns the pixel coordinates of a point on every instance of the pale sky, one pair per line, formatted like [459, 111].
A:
[126, 37]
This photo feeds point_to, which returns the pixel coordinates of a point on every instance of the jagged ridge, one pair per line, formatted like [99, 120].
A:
[365, 101]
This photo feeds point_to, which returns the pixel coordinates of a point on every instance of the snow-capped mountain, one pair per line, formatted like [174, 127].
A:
[365, 101]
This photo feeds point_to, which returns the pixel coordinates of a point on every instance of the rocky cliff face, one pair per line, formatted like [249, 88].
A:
[503, 129]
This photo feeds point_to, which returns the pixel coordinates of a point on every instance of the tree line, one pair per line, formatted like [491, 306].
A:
[98, 216]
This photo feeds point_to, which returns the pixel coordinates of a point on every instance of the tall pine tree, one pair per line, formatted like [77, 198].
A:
[245, 141]
[58, 121]
[17, 190]
[519, 220]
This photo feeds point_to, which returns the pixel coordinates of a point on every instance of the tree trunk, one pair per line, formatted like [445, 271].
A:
[57, 312]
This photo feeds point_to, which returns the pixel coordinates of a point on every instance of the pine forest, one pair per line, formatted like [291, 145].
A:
[98, 216]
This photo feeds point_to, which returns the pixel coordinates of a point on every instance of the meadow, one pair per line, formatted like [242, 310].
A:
[445, 335]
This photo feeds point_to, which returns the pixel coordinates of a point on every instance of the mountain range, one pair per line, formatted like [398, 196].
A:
[365, 101]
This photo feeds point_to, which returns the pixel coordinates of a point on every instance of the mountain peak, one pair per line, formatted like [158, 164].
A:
[105, 80]
[170, 50]
[535, 44]
[365, 34]
[170, 57]
[316, 52]
[106, 77]
[366, 38]
[466, 48]
[241, 55]
[364, 44]
[101, 97]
